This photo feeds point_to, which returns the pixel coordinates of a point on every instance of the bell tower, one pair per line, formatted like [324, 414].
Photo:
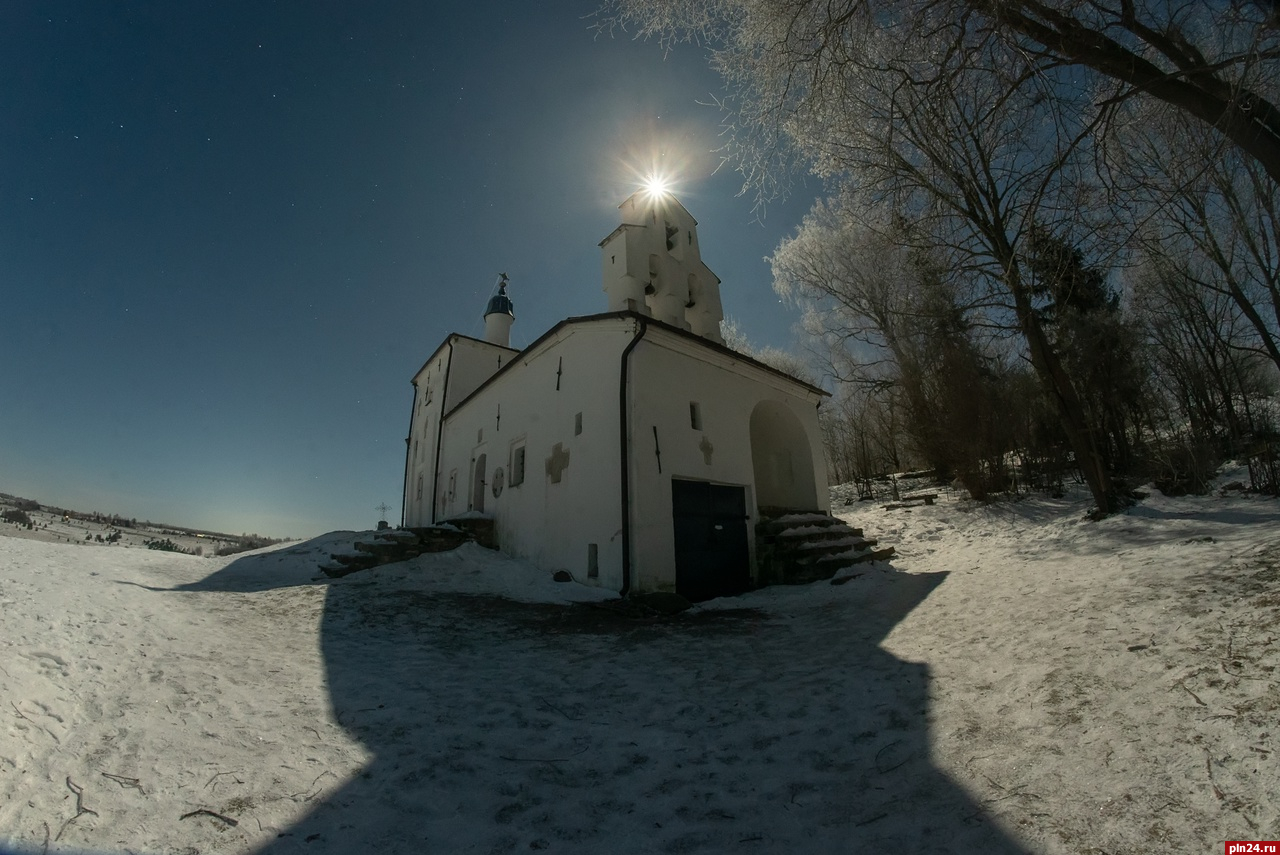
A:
[651, 264]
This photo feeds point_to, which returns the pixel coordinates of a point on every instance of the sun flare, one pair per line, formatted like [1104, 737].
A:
[657, 185]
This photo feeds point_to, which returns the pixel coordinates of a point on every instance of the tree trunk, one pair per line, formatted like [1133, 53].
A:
[1066, 400]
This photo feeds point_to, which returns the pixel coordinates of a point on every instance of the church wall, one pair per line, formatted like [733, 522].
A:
[421, 447]
[669, 374]
[570, 495]
[473, 363]
[469, 363]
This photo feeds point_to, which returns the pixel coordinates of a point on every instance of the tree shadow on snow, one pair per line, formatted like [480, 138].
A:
[503, 727]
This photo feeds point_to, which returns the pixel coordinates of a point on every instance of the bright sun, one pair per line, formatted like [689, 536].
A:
[657, 185]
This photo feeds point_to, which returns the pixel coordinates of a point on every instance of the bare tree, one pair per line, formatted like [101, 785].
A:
[1206, 357]
[972, 158]
[1210, 210]
[897, 329]
[1213, 61]
[792, 364]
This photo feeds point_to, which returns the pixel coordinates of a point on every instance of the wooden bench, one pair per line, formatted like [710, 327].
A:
[913, 501]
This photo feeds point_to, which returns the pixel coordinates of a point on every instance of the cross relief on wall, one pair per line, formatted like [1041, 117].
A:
[557, 463]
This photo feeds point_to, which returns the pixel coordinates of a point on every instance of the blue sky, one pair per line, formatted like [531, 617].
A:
[231, 232]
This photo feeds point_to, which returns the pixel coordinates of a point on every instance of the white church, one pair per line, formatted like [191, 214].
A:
[631, 448]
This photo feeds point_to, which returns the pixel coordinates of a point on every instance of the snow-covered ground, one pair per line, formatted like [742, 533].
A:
[1017, 680]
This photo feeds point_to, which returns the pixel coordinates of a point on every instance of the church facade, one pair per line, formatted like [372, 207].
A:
[630, 448]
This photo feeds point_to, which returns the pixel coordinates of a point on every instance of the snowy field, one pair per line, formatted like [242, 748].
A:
[1017, 680]
[50, 527]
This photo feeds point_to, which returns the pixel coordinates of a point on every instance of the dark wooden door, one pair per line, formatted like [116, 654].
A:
[712, 557]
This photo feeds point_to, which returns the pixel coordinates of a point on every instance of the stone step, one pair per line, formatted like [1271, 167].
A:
[855, 556]
[343, 563]
[848, 539]
[774, 525]
[808, 570]
[479, 527]
[397, 535]
[815, 548]
[811, 534]
[797, 549]
[392, 545]
[381, 548]
[440, 538]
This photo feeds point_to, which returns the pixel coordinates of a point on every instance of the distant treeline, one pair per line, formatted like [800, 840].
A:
[248, 541]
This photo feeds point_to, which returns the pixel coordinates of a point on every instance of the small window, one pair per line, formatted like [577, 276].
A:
[480, 435]
[415, 455]
[593, 561]
[695, 415]
[517, 466]
[577, 425]
[419, 487]
[453, 483]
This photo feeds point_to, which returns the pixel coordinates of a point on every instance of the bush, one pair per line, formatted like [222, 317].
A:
[166, 545]
[18, 516]
[1264, 465]
[1184, 467]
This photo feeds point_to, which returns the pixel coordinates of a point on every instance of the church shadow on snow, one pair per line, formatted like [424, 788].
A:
[504, 727]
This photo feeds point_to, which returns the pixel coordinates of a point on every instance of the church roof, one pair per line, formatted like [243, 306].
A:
[606, 316]
[455, 337]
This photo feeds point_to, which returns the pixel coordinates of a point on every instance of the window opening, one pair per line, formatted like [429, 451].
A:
[517, 466]
[695, 415]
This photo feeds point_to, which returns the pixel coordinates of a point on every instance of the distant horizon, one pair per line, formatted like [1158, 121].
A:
[6, 495]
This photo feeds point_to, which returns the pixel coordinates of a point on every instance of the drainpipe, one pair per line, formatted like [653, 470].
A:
[444, 397]
[408, 444]
[625, 456]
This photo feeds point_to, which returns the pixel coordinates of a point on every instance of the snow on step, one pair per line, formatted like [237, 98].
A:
[397, 535]
[829, 544]
[802, 518]
[800, 531]
[847, 554]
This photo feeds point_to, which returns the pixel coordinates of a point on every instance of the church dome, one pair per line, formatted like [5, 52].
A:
[500, 304]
